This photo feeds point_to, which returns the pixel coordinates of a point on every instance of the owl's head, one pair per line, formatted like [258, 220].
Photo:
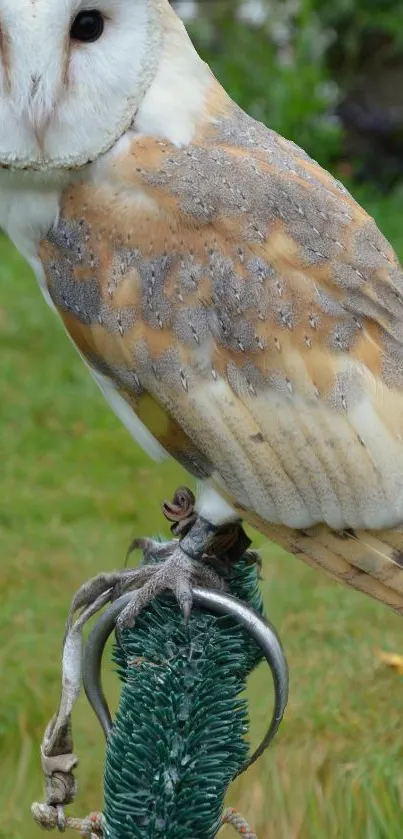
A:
[73, 74]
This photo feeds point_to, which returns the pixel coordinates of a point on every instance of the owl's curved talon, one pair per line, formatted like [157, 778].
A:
[202, 557]
[139, 544]
[253, 558]
[184, 597]
[178, 574]
[181, 511]
[152, 550]
[96, 587]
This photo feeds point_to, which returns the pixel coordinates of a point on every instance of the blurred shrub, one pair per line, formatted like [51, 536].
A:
[274, 65]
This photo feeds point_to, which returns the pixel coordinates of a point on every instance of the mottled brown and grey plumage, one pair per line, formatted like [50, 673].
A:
[252, 317]
[232, 296]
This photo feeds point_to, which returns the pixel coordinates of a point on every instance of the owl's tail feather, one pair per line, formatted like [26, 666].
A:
[370, 561]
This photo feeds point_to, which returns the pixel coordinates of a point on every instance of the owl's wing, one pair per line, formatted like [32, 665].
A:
[252, 314]
[284, 305]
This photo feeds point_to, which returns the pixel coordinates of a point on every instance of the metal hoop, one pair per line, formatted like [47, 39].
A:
[221, 604]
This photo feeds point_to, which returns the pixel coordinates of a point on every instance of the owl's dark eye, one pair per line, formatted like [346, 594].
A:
[88, 26]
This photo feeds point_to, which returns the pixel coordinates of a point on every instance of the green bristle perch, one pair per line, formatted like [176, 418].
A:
[179, 736]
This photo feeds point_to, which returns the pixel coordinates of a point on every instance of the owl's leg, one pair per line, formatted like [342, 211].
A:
[166, 568]
[178, 573]
[202, 557]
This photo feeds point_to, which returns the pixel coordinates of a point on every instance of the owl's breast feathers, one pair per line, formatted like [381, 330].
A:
[251, 313]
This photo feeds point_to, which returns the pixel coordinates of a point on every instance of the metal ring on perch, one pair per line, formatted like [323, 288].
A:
[219, 603]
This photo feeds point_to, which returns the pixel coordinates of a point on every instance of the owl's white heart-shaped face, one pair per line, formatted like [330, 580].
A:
[72, 73]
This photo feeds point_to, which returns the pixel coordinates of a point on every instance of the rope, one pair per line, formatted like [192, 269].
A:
[52, 818]
[232, 817]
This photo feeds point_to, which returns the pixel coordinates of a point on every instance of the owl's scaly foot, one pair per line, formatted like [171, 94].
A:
[202, 557]
[165, 567]
[172, 570]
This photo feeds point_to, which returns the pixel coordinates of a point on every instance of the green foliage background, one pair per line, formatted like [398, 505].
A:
[293, 69]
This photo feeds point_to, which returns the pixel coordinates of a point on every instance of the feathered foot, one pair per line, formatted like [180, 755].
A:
[202, 557]
[168, 568]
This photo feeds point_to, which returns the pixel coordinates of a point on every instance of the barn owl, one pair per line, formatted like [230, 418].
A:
[236, 306]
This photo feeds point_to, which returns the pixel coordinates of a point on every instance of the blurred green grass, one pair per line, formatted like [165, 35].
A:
[74, 491]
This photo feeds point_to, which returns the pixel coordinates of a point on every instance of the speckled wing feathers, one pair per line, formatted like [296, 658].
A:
[251, 314]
